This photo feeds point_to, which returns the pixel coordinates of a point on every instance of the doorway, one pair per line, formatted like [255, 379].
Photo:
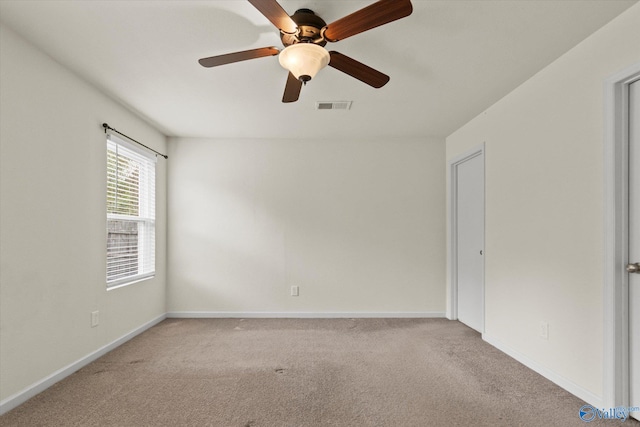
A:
[633, 266]
[466, 195]
[622, 240]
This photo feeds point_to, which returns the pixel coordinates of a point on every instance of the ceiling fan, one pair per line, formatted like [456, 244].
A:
[304, 35]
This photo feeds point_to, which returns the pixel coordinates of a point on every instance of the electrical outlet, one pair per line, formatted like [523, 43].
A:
[295, 291]
[543, 330]
[95, 318]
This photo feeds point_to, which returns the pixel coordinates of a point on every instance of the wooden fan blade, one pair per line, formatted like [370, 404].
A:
[356, 69]
[379, 13]
[292, 89]
[272, 10]
[214, 61]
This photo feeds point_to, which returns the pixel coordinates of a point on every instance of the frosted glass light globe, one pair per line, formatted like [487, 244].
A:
[304, 60]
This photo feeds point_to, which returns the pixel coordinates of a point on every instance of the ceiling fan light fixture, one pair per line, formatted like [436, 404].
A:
[304, 60]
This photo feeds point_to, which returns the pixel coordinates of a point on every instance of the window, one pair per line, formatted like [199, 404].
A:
[131, 212]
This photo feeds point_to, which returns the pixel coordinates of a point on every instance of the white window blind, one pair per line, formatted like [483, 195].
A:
[131, 212]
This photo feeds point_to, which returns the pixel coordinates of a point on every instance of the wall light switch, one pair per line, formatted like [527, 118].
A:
[95, 318]
[295, 291]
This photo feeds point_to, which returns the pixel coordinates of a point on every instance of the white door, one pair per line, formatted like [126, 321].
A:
[634, 245]
[469, 223]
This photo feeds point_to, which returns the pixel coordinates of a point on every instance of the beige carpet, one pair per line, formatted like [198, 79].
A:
[304, 372]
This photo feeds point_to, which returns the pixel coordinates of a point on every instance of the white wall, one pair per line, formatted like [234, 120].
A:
[359, 226]
[544, 208]
[52, 220]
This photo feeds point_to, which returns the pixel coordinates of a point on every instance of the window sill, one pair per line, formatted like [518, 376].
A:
[129, 281]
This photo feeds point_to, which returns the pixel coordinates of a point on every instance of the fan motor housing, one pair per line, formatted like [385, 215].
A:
[310, 28]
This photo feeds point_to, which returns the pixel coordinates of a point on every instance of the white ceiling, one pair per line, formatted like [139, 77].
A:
[448, 61]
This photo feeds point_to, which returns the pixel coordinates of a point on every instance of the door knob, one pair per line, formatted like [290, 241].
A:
[633, 268]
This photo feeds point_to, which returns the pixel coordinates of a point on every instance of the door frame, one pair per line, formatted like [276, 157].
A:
[616, 245]
[452, 288]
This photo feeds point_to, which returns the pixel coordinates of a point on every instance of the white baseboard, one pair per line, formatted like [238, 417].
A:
[563, 382]
[17, 399]
[306, 315]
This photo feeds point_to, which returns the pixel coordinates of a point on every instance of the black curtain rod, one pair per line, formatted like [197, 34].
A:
[106, 126]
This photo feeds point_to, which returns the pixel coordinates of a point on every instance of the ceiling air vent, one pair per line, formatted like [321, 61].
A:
[333, 105]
